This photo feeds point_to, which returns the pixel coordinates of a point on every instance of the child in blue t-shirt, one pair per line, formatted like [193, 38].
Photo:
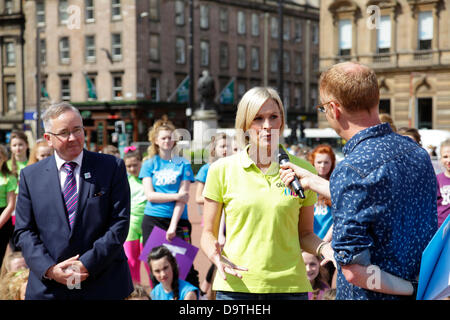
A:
[164, 269]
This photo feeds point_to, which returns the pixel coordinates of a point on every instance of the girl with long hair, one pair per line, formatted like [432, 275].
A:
[164, 269]
[323, 159]
[166, 179]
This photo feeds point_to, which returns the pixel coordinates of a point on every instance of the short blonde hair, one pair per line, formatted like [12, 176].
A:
[249, 106]
[352, 84]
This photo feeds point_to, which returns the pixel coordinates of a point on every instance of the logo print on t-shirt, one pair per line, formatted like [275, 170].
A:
[445, 193]
[165, 177]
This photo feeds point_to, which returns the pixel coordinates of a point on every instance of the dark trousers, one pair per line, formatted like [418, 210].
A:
[5, 235]
[184, 229]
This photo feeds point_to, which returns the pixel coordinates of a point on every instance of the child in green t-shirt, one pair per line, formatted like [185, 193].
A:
[8, 184]
[133, 244]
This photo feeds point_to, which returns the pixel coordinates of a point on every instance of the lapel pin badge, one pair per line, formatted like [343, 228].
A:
[87, 175]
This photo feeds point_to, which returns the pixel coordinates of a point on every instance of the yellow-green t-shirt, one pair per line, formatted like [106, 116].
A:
[261, 225]
[8, 183]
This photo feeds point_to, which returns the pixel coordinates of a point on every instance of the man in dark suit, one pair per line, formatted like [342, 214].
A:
[72, 217]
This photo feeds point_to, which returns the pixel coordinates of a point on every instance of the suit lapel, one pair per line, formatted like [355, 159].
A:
[51, 179]
[86, 181]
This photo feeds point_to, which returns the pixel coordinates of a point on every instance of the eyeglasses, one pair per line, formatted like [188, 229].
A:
[65, 134]
[321, 107]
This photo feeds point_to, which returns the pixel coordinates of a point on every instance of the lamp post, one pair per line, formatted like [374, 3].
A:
[38, 83]
[281, 54]
[191, 59]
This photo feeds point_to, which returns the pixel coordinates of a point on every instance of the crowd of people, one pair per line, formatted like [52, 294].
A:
[82, 218]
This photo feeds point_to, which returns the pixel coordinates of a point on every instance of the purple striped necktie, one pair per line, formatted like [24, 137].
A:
[70, 191]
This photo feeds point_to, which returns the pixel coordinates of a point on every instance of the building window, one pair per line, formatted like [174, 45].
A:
[425, 113]
[89, 11]
[241, 89]
[345, 37]
[43, 49]
[384, 35]
[241, 57]
[11, 98]
[425, 30]
[255, 24]
[298, 63]
[116, 46]
[204, 53]
[154, 10]
[204, 17]
[223, 55]
[223, 20]
[90, 48]
[9, 6]
[274, 60]
[65, 89]
[10, 54]
[274, 27]
[64, 50]
[255, 58]
[115, 10]
[154, 47]
[286, 29]
[315, 33]
[40, 13]
[179, 13]
[286, 96]
[62, 10]
[298, 96]
[117, 87]
[180, 51]
[154, 89]
[241, 22]
[297, 31]
[315, 62]
[314, 98]
[385, 106]
[286, 61]
[91, 92]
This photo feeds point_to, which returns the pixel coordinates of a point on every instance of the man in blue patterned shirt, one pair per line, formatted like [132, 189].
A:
[383, 193]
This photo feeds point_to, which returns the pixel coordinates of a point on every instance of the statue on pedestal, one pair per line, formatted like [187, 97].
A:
[207, 91]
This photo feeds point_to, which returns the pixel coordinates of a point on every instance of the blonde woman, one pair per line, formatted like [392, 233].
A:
[267, 225]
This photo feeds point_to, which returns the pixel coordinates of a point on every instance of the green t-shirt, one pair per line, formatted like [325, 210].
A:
[8, 183]
[138, 202]
[261, 225]
[20, 166]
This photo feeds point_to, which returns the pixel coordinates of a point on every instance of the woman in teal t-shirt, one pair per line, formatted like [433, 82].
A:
[166, 179]
[8, 185]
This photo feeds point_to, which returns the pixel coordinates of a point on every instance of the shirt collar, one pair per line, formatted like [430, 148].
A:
[246, 161]
[59, 162]
[374, 131]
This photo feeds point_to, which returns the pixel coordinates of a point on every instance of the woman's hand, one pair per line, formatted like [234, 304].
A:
[183, 196]
[328, 255]
[224, 265]
[171, 233]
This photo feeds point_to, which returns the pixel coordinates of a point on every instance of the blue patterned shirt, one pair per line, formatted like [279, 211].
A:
[384, 207]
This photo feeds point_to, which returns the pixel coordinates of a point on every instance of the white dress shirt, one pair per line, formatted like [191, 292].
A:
[62, 173]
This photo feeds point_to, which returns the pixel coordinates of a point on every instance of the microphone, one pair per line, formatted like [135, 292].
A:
[284, 158]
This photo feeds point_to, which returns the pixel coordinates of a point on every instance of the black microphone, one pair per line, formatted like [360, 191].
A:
[284, 158]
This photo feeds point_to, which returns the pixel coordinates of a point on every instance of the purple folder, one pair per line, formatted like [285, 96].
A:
[183, 252]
